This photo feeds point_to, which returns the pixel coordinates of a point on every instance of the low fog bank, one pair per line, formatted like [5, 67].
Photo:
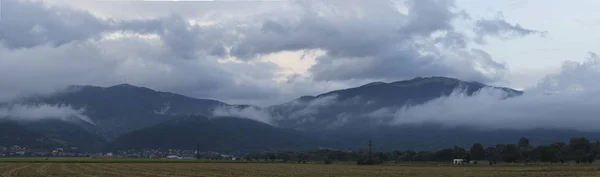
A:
[42, 111]
[254, 113]
[569, 99]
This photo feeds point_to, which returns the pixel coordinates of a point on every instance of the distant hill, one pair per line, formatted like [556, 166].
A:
[131, 117]
[48, 134]
[222, 134]
[66, 134]
[350, 106]
[11, 133]
[122, 108]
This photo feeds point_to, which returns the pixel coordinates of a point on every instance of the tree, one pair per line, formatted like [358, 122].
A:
[477, 152]
[408, 156]
[396, 156]
[580, 149]
[302, 157]
[491, 155]
[285, 156]
[272, 157]
[459, 153]
[444, 155]
[523, 143]
[547, 153]
[510, 153]
[562, 151]
[525, 150]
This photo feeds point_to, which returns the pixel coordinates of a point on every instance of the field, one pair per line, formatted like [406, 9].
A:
[156, 168]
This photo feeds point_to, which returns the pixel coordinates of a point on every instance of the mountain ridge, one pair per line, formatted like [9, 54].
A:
[337, 118]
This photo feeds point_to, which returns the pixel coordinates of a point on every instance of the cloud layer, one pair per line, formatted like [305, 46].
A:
[253, 113]
[566, 100]
[44, 46]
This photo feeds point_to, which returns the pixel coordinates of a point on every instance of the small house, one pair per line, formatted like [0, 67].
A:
[459, 161]
[173, 157]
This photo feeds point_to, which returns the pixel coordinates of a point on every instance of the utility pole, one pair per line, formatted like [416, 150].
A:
[198, 151]
[370, 148]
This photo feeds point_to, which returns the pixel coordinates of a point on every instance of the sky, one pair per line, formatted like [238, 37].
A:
[270, 52]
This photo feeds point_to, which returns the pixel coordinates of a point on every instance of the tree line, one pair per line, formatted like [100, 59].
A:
[578, 150]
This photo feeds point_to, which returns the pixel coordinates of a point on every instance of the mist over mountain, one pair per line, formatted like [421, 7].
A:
[130, 117]
[302, 70]
[121, 108]
[365, 105]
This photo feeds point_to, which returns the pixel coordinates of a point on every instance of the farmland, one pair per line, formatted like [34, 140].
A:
[64, 167]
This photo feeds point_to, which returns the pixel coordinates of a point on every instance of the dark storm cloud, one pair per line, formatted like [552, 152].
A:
[185, 40]
[29, 23]
[362, 40]
[44, 48]
[372, 40]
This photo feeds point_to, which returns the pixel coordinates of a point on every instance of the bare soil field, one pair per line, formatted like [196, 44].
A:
[56, 169]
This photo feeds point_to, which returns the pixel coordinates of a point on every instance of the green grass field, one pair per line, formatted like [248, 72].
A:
[67, 167]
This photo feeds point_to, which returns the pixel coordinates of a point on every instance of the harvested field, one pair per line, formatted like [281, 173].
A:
[300, 170]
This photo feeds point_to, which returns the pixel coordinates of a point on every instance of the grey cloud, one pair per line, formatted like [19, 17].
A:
[315, 26]
[183, 39]
[399, 63]
[370, 40]
[573, 76]
[28, 24]
[138, 9]
[69, 48]
[452, 39]
[363, 41]
[143, 62]
[500, 28]
[426, 17]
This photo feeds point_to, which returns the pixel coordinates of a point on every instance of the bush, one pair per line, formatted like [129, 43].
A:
[366, 162]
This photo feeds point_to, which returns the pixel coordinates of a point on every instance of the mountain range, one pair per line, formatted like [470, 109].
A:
[125, 117]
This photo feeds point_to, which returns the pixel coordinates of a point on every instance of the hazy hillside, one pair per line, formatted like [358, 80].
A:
[223, 134]
[66, 134]
[119, 109]
[360, 105]
[138, 118]
[11, 133]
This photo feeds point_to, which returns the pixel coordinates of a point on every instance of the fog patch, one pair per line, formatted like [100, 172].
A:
[251, 112]
[312, 107]
[164, 109]
[43, 111]
[566, 100]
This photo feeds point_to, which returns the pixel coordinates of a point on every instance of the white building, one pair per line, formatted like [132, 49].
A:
[173, 157]
[458, 161]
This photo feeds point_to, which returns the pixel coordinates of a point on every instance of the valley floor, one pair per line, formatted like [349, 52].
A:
[301, 170]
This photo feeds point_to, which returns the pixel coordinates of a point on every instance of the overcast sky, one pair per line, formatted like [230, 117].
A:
[270, 52]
